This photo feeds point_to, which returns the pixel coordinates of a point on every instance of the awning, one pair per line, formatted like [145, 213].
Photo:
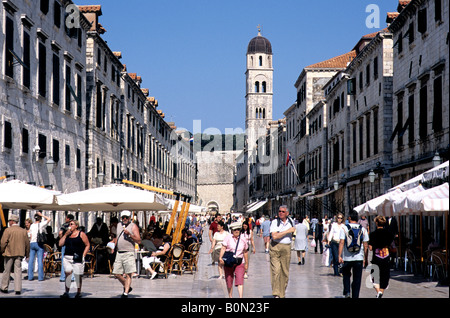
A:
[438, 172]
[324, 194]
[256, 206]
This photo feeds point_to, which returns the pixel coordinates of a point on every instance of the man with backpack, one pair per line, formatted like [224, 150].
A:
[353, 246]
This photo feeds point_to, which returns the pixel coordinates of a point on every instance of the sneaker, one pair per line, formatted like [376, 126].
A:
[124, 295]
[347, 295]
[380, 295]
[154, 275]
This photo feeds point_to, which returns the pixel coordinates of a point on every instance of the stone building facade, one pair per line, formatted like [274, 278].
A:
[379, 110]
[421, 91]
[215, 179]
[66, 97]
[42, 93]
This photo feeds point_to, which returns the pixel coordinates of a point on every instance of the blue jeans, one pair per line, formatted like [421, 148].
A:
[357, 268]
[36, 249]
[335, 256]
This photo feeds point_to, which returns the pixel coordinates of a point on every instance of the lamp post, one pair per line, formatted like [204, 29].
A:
[372, 177]
[100, 177]
[50, 165]
[436, 159]
[336, 185]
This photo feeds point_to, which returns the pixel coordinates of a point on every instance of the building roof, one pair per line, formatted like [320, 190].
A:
[91, 9]
[259, 44]
[340, 61]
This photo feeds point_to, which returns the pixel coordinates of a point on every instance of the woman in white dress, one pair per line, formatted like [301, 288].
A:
[301, 240]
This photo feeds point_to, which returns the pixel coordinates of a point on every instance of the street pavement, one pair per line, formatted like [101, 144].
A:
[312, 281]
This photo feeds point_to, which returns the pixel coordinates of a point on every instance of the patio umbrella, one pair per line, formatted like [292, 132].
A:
[192, 208]
[431, 202]
[112, 198]
[17, 194]
[380, 205]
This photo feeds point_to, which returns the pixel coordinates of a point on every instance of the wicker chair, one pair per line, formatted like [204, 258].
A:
[191, 257]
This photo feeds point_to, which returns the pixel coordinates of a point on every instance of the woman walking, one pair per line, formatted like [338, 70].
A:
[247, 234]
[333, 238]
[301, 240]
[379, 242]
[233, 243]
[36, 248]
[77, 245]
[216, 246]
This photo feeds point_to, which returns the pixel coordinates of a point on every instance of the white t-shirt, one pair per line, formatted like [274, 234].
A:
[34, 229]
[347, 256]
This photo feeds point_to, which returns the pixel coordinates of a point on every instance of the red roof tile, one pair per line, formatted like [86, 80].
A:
[340, 61]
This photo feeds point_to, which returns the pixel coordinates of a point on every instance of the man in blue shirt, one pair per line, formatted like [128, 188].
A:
[265, 229]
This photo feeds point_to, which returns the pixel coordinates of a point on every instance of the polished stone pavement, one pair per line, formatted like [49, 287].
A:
[311, 280]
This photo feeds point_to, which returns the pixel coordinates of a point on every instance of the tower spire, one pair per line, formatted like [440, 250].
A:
[259, 29]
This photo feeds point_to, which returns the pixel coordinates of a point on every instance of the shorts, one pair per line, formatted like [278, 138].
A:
[237, 273]
[71, 267]
[125, 263]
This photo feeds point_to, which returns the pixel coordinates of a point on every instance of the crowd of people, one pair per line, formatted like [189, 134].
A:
[231, 245]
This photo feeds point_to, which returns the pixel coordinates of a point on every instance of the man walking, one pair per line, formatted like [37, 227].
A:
[281, 230]
[352, 253]
[15, 245]
[125, 264]
[265, 229]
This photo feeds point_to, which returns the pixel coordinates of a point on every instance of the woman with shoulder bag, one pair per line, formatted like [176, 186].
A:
[37, 247]
[239, 249]
[77, 245]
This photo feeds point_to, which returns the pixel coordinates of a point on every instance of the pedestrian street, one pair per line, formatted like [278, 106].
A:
[312, 280]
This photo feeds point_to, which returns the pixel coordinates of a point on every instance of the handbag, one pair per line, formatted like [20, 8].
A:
[41, 237]
[230, 259]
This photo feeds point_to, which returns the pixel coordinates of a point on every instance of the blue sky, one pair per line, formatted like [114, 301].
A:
[191, 54]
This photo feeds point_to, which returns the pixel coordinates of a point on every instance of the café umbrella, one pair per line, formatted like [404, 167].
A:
[111, 198]
[17, 194]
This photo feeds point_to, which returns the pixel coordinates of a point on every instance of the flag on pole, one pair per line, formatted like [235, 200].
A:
[290, 162]
[288, 159]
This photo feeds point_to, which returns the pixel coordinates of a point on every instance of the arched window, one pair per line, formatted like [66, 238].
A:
[264, 87]
[256, 87]
[260, 61]
[264, 113]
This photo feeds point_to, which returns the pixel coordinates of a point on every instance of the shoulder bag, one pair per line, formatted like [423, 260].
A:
[230, 259]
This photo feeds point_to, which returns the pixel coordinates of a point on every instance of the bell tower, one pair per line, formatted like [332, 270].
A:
[259, 90]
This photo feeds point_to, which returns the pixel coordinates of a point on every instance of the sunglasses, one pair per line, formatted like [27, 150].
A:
[282, 211]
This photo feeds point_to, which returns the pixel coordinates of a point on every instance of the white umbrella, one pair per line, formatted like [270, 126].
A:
[433, 201]
[17, 194]
[113, 198]
[399, 205]
[379, 205]
[192, 208]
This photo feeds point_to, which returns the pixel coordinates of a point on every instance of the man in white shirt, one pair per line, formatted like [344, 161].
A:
[281, 230]
[353, 261]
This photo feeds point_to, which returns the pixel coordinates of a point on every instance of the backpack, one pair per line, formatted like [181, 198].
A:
[289, 219]
[353, 238]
